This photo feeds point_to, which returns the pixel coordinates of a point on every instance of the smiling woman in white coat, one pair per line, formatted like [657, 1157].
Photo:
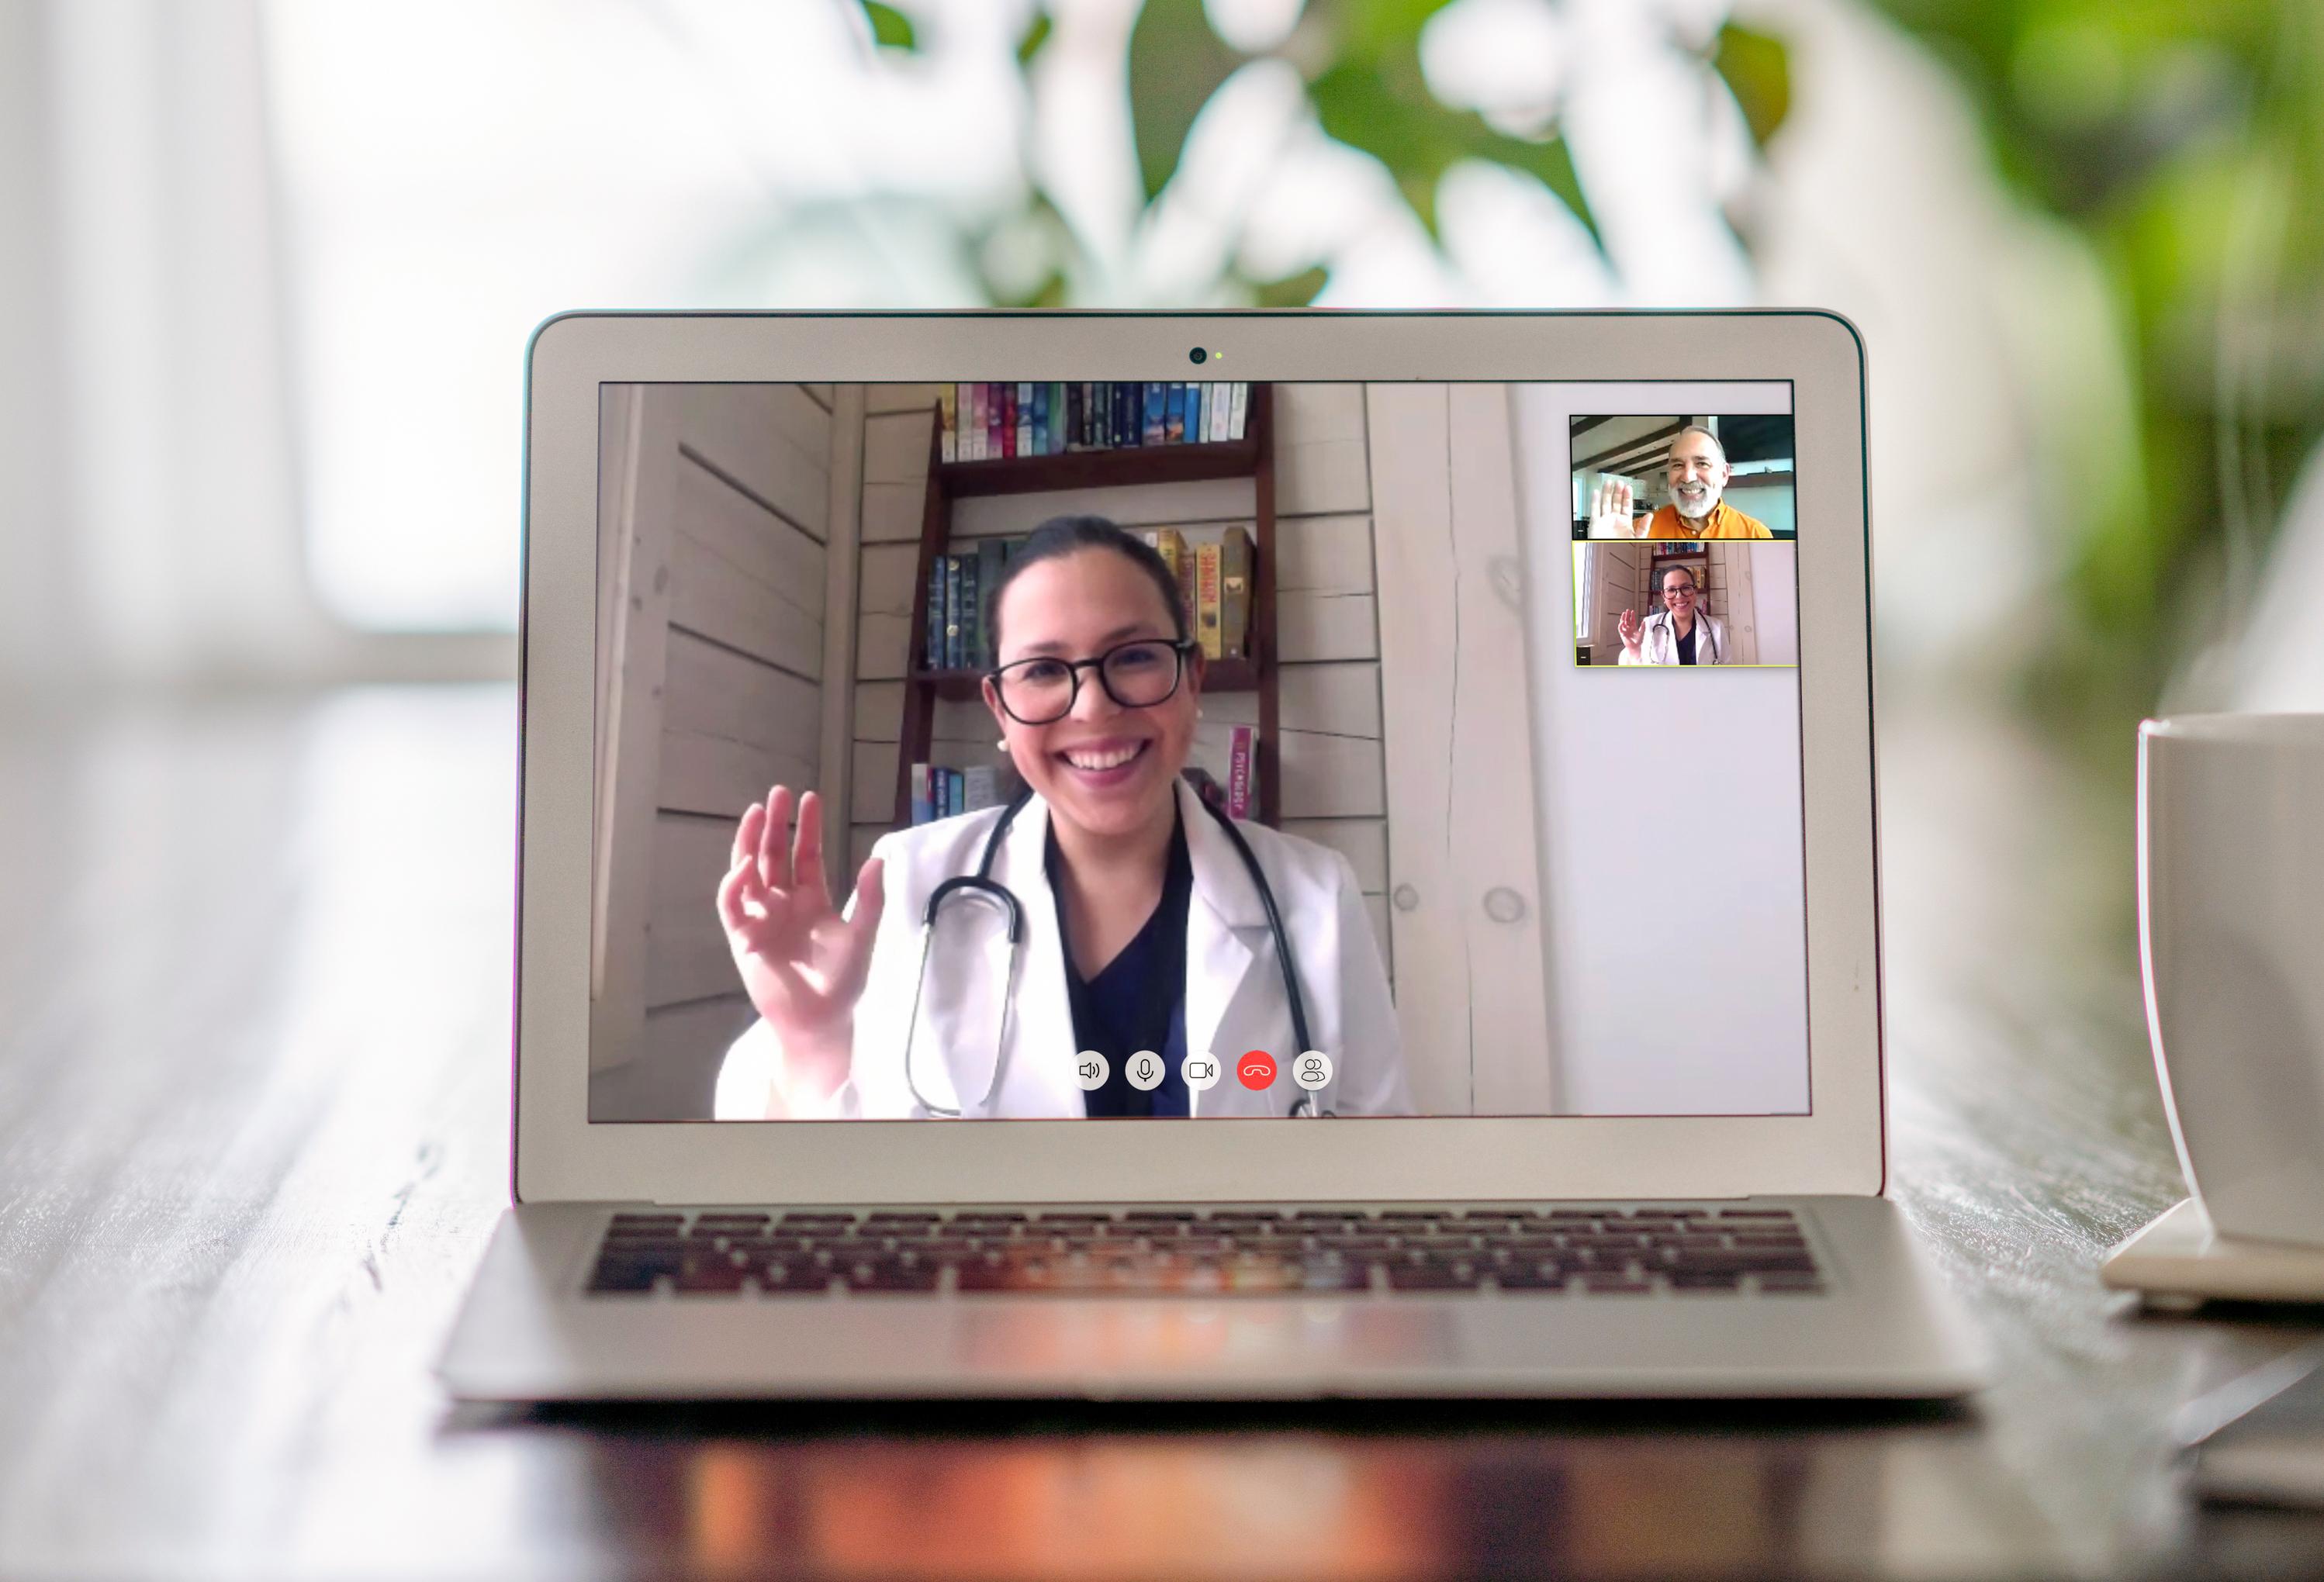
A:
[1143, 929]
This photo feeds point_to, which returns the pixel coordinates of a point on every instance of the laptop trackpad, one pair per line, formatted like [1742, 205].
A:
[1277, 1344]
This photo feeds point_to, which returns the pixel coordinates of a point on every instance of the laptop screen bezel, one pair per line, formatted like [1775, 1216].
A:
[1839, 1147]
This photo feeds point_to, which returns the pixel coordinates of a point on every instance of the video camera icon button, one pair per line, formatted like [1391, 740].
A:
[1312, 1070]
[1200, 1071]
[1091, 1070]
[1145, 1070]
[1256, 1070]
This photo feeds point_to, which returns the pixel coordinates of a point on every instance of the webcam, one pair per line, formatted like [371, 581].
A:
[1198, 356]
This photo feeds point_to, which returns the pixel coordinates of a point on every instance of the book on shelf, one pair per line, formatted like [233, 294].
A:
[1237, 559]
[1171, 545]
[951, 654]
[971, 629]
[991, 560]
[932, 634]
[924, 807]
[982, 420]
[1206, 600]
[1242, 770]
[980, 788]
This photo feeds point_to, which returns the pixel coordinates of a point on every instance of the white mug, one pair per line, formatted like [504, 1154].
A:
[2231, 940]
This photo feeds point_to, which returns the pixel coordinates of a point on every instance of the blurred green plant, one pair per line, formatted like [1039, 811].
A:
[2184, 143]
[1361, 62]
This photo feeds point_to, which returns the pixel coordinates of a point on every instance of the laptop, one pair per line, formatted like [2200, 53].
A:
[1476, 710]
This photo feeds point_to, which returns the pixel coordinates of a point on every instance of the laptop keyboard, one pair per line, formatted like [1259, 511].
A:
[1256, 1251]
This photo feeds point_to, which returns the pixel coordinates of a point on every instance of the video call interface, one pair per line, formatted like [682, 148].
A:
[1101, 750]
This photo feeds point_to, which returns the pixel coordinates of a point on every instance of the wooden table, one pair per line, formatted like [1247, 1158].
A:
[253, 967]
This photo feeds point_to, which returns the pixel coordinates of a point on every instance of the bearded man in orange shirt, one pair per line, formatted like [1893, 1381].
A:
[1698, 473]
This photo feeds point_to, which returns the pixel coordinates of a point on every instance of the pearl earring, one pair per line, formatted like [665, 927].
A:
[1002, 744]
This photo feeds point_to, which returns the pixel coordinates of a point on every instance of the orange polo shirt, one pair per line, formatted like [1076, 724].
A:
[1723, 522]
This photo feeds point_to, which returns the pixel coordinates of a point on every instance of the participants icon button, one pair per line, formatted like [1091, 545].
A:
[1089, 1070]
[1312, 1070]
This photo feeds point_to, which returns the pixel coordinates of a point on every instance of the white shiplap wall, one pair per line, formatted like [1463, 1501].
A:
[721, 508]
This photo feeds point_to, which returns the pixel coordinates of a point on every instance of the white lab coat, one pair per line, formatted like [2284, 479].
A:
[1234, 989]
[1658, 643]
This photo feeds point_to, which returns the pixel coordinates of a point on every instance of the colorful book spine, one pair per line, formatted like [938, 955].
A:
[947, 425]
[924, 807]
[1218, 405]
[951, 660]
[952, 808]
[932, 638]
[1206, 600]
[1024, 413]
[972, 627]
[991, 560]
[980, 787]
[1092, 416]
[1174, 413]
[1238, 559]
[987, 403]
[1074, 441]
[1195, 413]
[1156, 418]
[1171, 545]
[1241, 402]
[1241, 756]
[1041, 420]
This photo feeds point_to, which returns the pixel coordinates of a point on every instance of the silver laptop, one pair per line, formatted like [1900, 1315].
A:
[1224, 855]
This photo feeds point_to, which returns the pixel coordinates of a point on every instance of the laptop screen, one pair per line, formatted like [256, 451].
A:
[1206, 749]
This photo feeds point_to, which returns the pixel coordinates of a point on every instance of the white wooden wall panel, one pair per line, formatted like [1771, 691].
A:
[752, 541]
[900, 397]
[896, 448]
[712, 690]
[772, 439]
[1469, 995]
[1341, 700]
[879, 711]
[1330, 776]
[730, 491]
[1310, 627]
[1363, 841]
[1323, 554]
[892, 512]
[639, 434]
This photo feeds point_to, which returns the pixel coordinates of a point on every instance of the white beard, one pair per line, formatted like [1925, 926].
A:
[1710, 503]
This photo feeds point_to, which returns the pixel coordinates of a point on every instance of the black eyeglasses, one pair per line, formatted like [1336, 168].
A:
[1136, 675]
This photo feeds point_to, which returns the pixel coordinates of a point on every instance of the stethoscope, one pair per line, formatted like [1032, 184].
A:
[980, 886]
[1701, 621]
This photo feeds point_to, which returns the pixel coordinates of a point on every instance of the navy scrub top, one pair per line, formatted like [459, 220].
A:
[1138, 1000]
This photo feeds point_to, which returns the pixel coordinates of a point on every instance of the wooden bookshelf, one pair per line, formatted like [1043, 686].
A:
[1253, 456]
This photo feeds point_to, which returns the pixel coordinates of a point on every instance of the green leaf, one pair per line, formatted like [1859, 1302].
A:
[1385, 110]
[1292, 290]
[891, 28]
[1758, 72]
[1035, 37]
[1175, 64]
